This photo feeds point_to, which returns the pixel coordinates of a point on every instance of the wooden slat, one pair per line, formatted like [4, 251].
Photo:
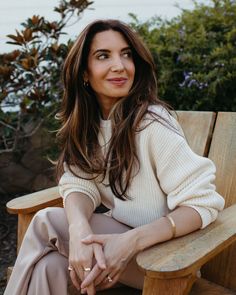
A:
[178, 286]
[204, 287]
[23, 223]
[198, 128]
[223, 153]
[222, 269]
[187, 254]
[35, 201]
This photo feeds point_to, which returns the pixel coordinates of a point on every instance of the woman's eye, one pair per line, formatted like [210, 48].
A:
[102, 56]
[127, 54]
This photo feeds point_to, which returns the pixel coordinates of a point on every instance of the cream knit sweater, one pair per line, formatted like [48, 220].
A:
[170, 175]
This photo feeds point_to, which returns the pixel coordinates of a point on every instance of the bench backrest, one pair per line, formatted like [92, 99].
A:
[198, 128]
[214, 135]
[222, 269]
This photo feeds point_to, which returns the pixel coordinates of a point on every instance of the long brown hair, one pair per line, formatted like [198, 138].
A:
[80, 114]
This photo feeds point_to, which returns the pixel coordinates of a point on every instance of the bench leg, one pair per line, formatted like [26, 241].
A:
[23, 223]
[176, 286]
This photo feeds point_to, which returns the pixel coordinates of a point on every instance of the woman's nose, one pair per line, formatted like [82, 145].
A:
[117, 65]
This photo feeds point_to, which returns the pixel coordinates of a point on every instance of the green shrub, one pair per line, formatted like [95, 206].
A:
[195, 56]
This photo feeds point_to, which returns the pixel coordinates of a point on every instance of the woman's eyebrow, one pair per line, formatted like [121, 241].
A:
[100, 50]
[126, 48]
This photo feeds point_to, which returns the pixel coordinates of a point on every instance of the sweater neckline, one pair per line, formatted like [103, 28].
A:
[105, 123]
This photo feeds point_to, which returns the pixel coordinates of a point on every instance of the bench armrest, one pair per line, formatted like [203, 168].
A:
[185, 255]
[36, 201]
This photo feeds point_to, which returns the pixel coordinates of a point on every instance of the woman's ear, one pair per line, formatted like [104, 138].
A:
[85, 77]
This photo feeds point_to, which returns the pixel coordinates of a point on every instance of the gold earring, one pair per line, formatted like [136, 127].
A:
[86, 84]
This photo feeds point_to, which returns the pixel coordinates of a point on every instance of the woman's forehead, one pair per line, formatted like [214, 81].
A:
[108, 39]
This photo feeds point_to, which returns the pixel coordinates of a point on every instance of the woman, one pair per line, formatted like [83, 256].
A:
[120, 148]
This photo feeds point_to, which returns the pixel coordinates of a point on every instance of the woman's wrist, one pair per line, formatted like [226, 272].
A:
[135, 235]
[151, 234]
[81, 229]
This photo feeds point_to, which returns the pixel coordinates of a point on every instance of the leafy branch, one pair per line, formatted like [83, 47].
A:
[30, 84]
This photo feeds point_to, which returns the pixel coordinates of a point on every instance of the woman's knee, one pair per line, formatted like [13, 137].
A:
[50, 224]
[49, 212]
[53, 216]
[52, 267]
[52, 263]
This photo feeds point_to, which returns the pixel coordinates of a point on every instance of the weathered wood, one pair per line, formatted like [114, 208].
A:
[198, 128]
[222, 269]
[223, 154]
[180, 286]
[23, 223]
[35, 201]
[183, 256]
[204, 287]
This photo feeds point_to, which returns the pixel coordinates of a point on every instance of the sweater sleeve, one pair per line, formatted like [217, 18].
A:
[185, 177]
[70, 183]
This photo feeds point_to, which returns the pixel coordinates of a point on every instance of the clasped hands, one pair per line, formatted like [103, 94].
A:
[110, 253]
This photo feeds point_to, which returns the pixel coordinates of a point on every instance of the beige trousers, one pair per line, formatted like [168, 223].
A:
[42, 262]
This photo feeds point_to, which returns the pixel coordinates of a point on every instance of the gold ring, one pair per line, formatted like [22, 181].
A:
[70, 268]
[87, 268]
[109, 279]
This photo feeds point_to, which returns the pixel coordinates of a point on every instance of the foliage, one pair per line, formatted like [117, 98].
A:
[195, 56]
[194, 53]
[30, 87]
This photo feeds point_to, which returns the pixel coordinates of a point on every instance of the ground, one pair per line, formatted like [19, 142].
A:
[8, 229]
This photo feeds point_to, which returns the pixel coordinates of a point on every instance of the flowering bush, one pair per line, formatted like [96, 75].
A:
[195, 56]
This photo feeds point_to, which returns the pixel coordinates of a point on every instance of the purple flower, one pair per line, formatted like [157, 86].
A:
[190, 82]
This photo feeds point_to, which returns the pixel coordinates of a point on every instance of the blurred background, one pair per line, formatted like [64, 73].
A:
[14, 12]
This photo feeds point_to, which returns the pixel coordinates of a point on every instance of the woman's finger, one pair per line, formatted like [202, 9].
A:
[100, 239]
[82, 268]
[89, 288]
[105, 276]
[99, 256]
[101, 278]
[91, 276]
[108, 282]
[74, 279]
[79, 271]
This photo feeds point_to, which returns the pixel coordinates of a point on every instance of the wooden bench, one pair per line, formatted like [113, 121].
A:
[170, 268]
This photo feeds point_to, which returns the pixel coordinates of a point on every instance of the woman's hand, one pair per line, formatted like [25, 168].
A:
[118, 250]
[81, 259]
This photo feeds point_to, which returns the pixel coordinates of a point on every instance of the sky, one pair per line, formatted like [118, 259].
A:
[14, 12]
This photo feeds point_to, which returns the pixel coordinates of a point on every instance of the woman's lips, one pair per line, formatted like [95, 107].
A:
[118, 81]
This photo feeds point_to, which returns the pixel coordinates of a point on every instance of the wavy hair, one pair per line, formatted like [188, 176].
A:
[80, 113]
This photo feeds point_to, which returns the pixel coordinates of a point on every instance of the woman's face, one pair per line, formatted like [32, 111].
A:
[111, 69]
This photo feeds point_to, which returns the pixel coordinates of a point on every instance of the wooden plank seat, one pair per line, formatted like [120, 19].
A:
[170, 268]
